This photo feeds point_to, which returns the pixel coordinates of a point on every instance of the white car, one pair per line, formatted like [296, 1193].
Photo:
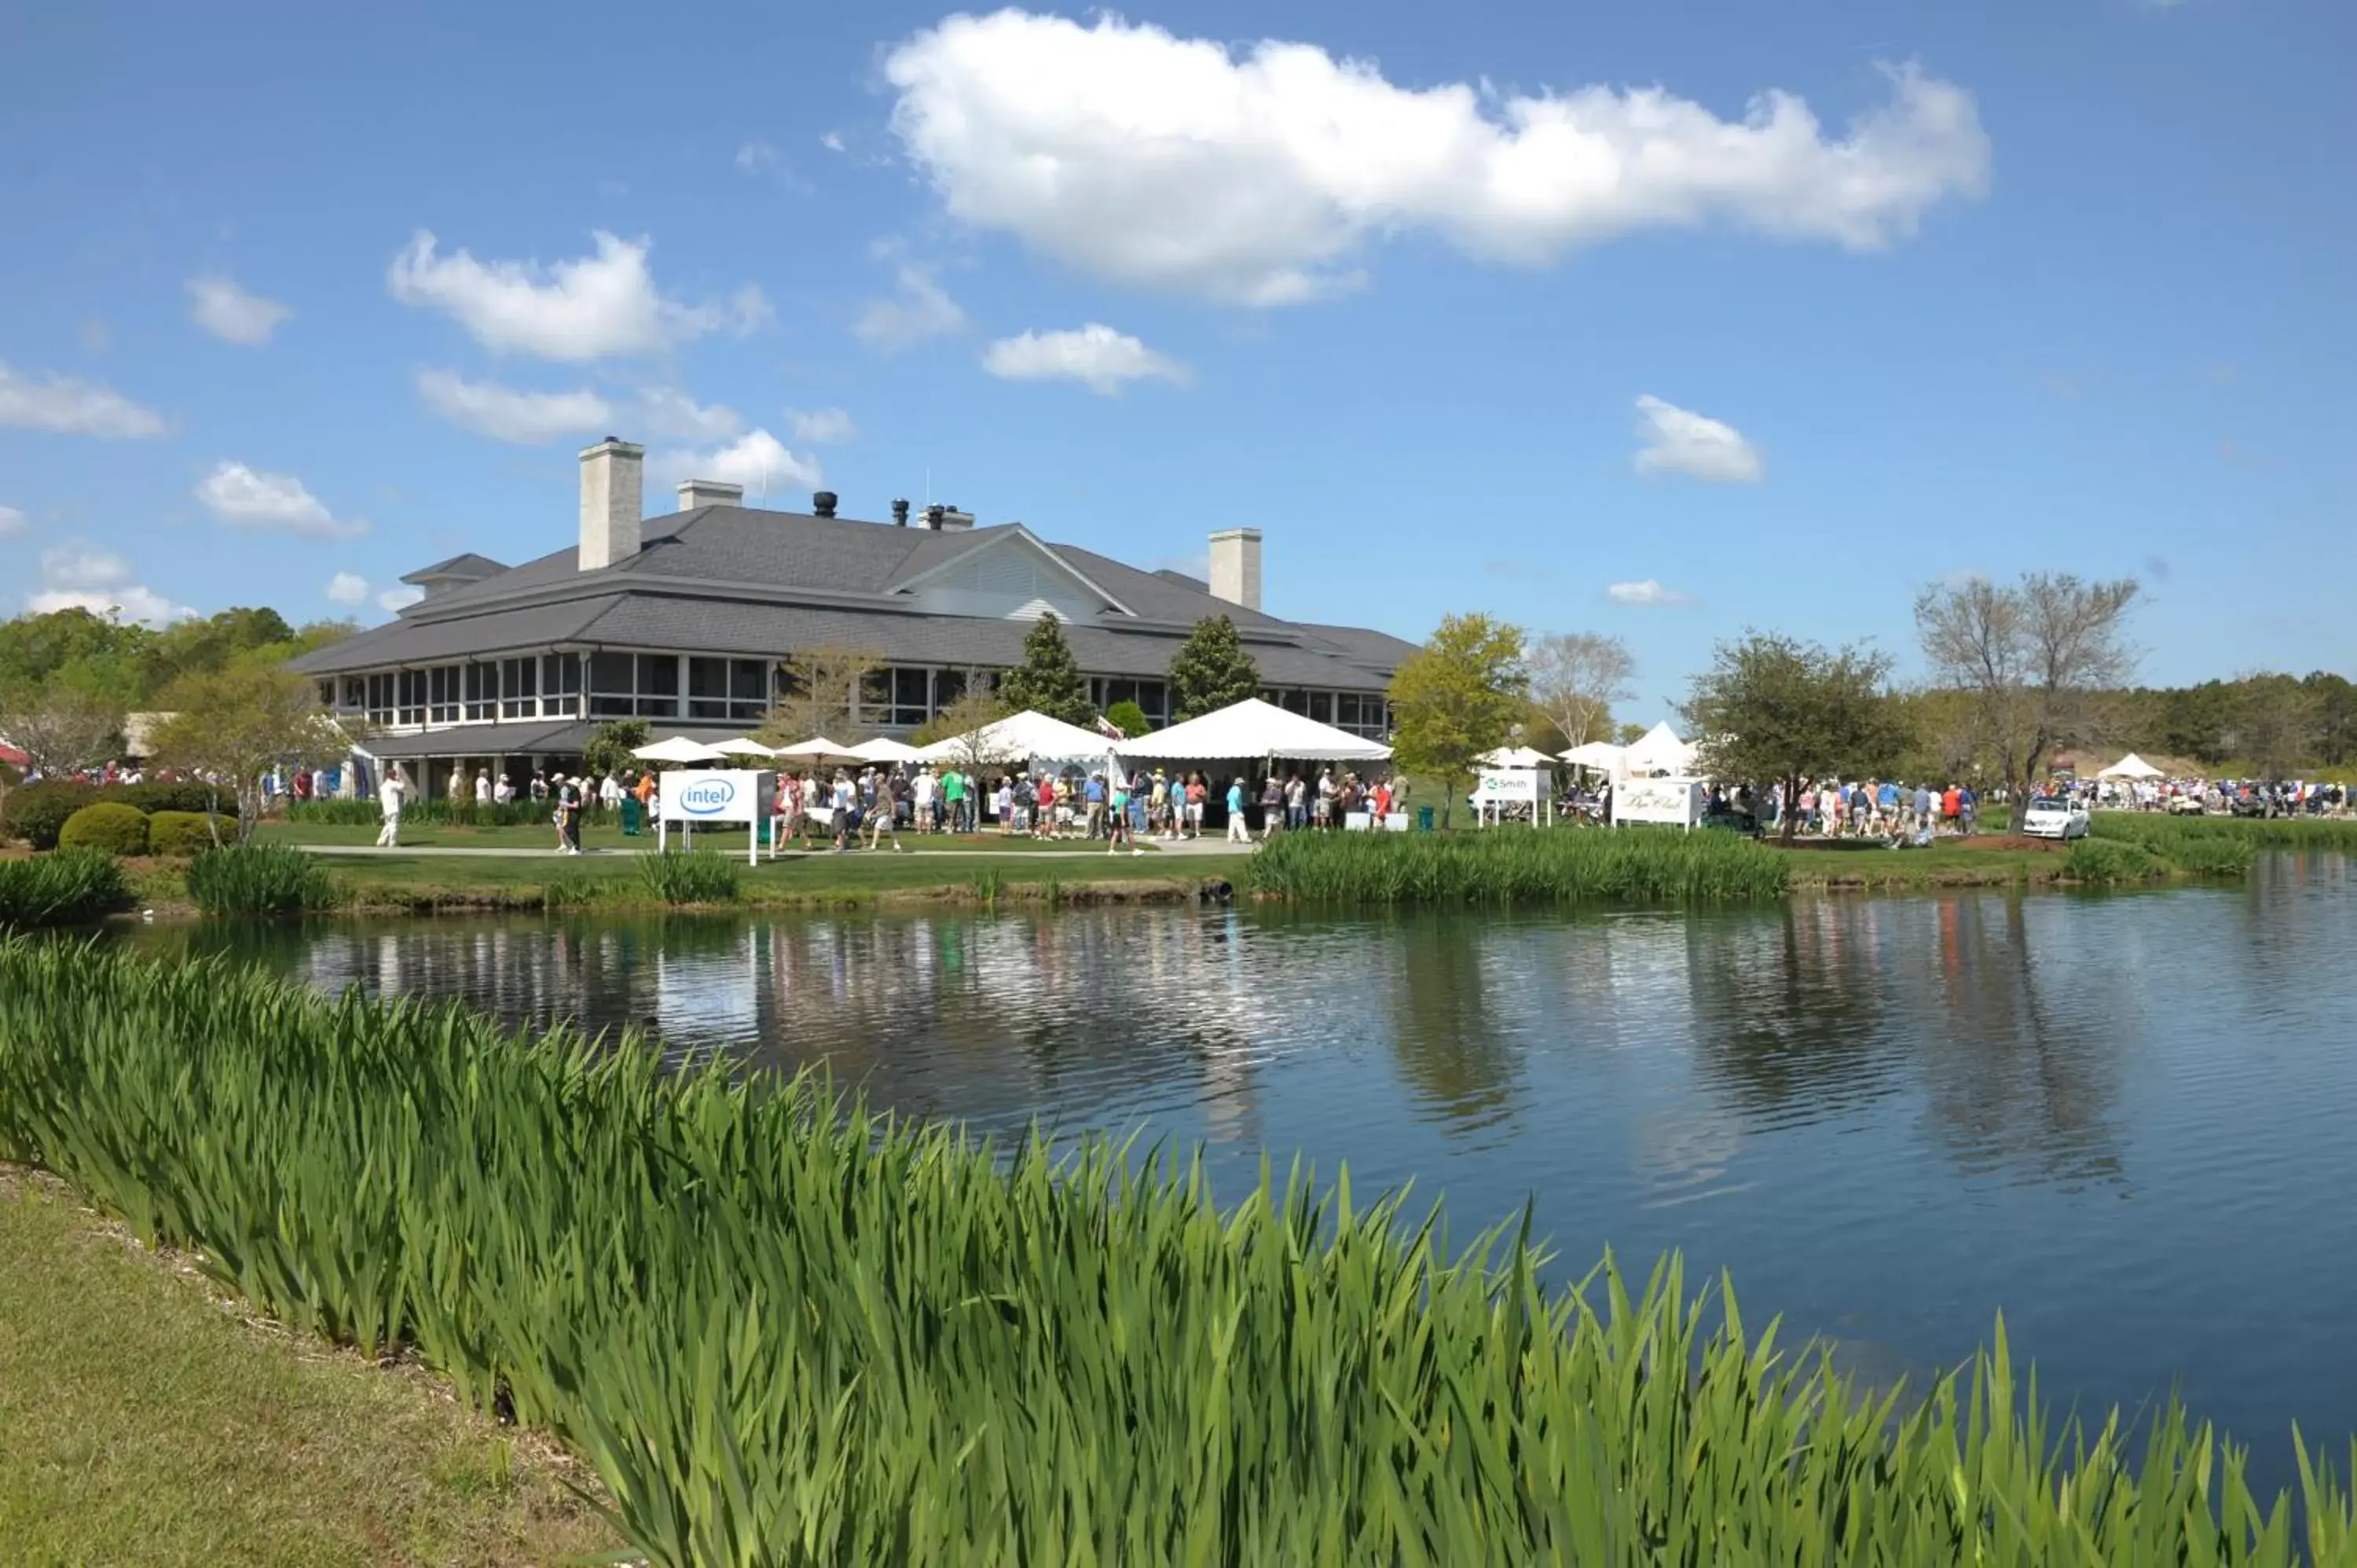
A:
[2052, 819]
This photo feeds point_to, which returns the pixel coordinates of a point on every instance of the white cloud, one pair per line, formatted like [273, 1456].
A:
[756, 156]
[1648, 592]
[12, 521]
[66, 405]
[759, 461]
[1096, 356]
[821, 426]
[831, 141]
[586, 309]
[922, 309]
[396, 600]
[668, 411]
[348, 589]
[1678, 441]
[1256, 176]
[78, 579]
[504, 414]
[225, 310]
[253, 497]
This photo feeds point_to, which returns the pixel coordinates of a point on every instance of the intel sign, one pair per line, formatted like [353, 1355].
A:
[712, 795]
[709, 798]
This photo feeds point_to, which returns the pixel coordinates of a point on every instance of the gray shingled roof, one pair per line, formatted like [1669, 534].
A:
[470, 566]
[642, 602]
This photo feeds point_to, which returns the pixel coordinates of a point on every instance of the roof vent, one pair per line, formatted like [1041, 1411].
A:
[934, 515]
[900, 513]
[823, 503]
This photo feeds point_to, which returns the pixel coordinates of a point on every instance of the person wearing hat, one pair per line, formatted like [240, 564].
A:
[1238, 833]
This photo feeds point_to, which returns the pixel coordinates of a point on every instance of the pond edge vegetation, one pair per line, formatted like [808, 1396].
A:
[785, 1330]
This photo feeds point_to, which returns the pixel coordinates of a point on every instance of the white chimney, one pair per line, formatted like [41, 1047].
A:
[693, 493]
[1235, 566]
[612, 497]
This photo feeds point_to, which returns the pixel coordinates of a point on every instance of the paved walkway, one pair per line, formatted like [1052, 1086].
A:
[1187, 849]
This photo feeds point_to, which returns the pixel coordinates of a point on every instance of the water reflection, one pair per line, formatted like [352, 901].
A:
[1889, 1117]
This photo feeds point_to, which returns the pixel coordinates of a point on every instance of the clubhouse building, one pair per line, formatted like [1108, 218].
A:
[685, 620]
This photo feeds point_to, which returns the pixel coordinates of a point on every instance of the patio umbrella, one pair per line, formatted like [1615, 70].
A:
[883, 748]
[817, 749]
[678, 749]
[741, 747]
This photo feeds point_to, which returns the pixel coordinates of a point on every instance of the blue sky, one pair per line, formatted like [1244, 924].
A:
[1551, 311]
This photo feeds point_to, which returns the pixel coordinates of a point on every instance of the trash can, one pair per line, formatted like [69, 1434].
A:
[633, 815]
[1424, 818]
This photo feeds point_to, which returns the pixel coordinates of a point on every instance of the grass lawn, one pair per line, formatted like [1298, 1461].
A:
[143, 1423]
[1984, 861]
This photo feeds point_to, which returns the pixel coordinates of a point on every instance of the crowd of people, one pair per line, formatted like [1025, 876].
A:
[2235, 797]
[1116, 809]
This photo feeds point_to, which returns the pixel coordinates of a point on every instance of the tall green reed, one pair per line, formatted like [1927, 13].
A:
[1519, 866]
[69, 888]
[699, 877]
[2169, 834]
[787, 1330]
[258, 880]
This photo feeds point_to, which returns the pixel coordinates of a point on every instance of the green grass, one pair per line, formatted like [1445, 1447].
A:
[2167, 834]
[139, 1422]
[785, 1331]
[70, 888]
[691, 877]
[1518, 866]
[607, 834]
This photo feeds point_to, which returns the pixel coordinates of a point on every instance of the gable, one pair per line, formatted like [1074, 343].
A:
[1009, 578]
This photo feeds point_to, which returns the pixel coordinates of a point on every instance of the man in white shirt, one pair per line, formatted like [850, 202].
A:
[482, 786]
[388, 797]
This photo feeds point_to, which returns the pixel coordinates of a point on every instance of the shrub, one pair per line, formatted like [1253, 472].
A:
[172, 795]
[2102, 863]
[1519, 866]
[107, 826]
[259, 879]
[187, 832]
[698, 877]
[1128, 718]
[423, 813]
[784, 1330]
[36, 813]
[72, 887]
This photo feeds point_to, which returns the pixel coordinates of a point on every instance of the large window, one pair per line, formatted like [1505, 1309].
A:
[355, 692]
[1153, 697]
[482, 691]
[410, 697]
[442, 682]
[897, 697]
[734, 690]
[1360, 714]
[644, 685]
[560, 686]
[519, 688]
[380, 698]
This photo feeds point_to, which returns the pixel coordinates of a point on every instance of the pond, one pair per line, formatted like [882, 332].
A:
[2125, 1121]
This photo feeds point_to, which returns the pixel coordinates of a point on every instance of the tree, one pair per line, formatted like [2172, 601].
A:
[229, 726]
[961, 720]
[1629, 734]
[2040, 660]
[68, 722]
[1210, 670]
[821, 694]
[1049, 680]
[1773, 709]
[2275, 724]
[1575, 677]
[611, 744]
[1128, 718]
[1456, 697]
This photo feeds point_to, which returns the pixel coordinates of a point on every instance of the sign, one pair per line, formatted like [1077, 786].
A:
[690, 796]
[1676, 801]
[1507, 786]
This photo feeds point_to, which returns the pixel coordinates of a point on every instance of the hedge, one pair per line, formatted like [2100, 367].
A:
[108, 826]
[38, 812]
[187, 833]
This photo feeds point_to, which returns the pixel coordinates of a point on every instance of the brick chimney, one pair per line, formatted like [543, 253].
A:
[1235, 566]
[613, 473]
[693, 493]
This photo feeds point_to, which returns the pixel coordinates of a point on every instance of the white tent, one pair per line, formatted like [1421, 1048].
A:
[1018, 738]
[1661, 751]
[742, 747]
[1600, 754]
[820, 749]
[1251, 729]
[1515, 756]
[883, 748]
[2130, 766]
[678, 749]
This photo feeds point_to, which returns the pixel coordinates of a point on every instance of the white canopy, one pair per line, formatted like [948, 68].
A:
[2130, 766]
[883, 748]
[1600, 754]
[1252, 728]
[1515, 756]
[1016, 738]
[1661, 751]
[742, 747]
[678, 749]
[820, 749]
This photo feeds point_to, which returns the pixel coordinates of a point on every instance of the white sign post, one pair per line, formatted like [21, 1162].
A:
[731, 795]
[1511, 786]
[1677, 800]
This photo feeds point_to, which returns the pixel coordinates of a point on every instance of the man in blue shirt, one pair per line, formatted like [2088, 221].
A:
[1886, 802]
[1237, 832]
[1093, 795]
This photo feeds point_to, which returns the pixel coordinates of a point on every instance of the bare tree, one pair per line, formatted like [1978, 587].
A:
[1575, 677]
[2039, 660]
[63, 725]
[821, 694]
[228, 727]
[963, 721]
